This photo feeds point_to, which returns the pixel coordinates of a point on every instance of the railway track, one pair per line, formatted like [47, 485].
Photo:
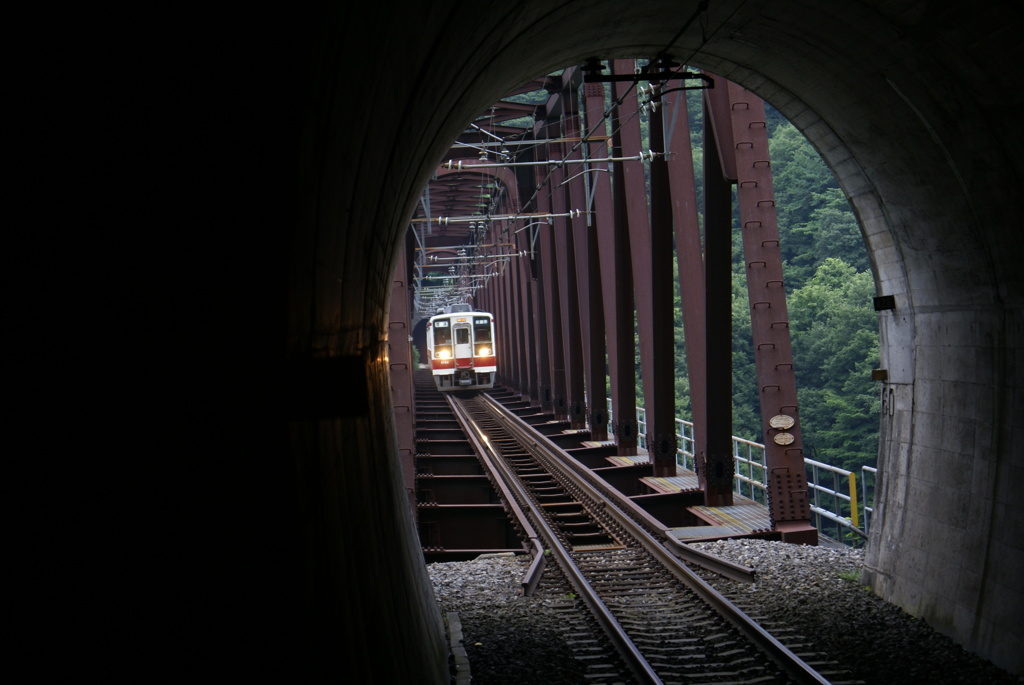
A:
[661, 621]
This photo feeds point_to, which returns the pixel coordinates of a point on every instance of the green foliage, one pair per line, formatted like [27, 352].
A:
[814, 217]
[829, 288]
[835, 346]
[746, 403]
[831, 230]
[833, 324]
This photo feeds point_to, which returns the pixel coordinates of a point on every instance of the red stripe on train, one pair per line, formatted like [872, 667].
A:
[470, 362]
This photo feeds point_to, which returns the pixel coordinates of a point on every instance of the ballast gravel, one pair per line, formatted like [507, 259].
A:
[815, 591]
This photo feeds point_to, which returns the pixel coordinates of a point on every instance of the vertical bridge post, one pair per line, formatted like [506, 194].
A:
[788, 503]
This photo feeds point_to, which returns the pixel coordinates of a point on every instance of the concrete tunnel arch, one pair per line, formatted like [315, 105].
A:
[906, 103]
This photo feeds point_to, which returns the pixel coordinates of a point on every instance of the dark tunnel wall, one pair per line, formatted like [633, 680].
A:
[297, 144]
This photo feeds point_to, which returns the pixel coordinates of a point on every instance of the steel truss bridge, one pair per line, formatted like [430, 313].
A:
[557, 214]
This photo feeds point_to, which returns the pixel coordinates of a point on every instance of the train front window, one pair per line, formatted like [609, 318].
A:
[461, 336]
[442, 339]
[482, 330]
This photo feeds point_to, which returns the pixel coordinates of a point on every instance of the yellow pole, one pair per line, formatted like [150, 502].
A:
[853, 501]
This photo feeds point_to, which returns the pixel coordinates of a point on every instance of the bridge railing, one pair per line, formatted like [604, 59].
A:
[833, 494]
[867, 473]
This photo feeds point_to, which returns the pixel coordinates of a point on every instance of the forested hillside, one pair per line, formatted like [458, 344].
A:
[829, 288]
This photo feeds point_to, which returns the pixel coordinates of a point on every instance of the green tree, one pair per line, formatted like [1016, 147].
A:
[746, 403]
[814, 217]
[829, 285]
[830, 231]
[835, 346]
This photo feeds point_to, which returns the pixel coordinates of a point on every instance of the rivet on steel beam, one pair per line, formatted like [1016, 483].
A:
[762, 263]
[770, 203]
[744, 143]
[748, 184]
[783, 323]
[766, 243]
[737, 105]
[764, 302]
[753, 224]
[765, 387]
[774, 282]
[761, 162]
[768, 345]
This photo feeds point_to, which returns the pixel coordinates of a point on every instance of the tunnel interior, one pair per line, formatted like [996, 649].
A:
[297, 547]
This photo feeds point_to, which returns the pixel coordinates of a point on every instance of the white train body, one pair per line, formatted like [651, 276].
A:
[460, 344]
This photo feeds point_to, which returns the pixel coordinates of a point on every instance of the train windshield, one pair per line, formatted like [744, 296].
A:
[461, 336]
[442, 334]
[481, 330]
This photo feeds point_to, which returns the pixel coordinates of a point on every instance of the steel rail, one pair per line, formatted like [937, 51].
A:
[711, 562]
[632, 655]
[482, 446]
[786, 659]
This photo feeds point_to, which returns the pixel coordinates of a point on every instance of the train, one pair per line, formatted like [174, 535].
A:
[460, 345]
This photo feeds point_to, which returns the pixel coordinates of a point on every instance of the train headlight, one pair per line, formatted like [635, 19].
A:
[483, 351]
[444, 353]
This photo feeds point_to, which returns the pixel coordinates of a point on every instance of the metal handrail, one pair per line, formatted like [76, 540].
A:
[818, 489]
[865, 473]
[751, 479]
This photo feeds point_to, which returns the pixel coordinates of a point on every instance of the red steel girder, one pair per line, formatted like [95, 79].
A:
[690, 258]
[549, 281]
[661, 441]
[569, 306]
[505, 336]
[780, 419]
[715, 467]
[516, 324]
[538, 309]
[591, 314]
[649, 277]
[523, 314]
[625, 205]
[614, 269]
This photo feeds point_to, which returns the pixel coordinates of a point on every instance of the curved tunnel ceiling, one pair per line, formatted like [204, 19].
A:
[904, 92]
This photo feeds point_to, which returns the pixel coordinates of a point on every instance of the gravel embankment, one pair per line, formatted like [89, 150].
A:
[815, 590]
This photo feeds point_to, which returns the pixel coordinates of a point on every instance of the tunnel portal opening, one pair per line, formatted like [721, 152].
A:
[466, 231]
